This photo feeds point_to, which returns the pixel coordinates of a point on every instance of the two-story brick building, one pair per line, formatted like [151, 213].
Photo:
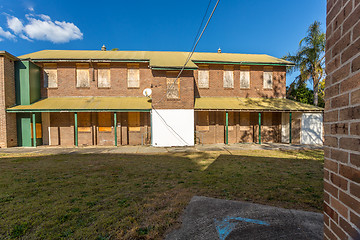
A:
[67, 98]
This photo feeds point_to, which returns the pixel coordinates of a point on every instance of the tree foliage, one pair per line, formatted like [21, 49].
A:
[298, 91]
[310, 60]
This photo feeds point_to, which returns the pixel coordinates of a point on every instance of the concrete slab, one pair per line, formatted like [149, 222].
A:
[181, 149]
[150, 149]
[209, 218]
[124, 149]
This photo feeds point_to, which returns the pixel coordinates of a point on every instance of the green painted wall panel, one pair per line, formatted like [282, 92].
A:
[22, 83]
[34, 78]
[27, 82]
[24, 129]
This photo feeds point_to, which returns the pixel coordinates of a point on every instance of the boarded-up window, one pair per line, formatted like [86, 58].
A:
[228, 77]
[103, 75]
[84, 122]
[82, 76]
[134, 121]
[203, 77]
[245, 77]
[203, 121]
[133, 76]
[268, 78]
[172, 86]
[104, 122]
[38, 129]
[50, 75]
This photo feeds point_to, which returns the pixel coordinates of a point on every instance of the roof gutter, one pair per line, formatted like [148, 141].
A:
[245, 63]
[171, 68]
[256, 110]
[75, 110]
[87, 60]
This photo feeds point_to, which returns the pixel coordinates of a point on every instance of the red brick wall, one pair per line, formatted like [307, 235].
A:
[342, 121]
[67, 82]
[159, 87]
[8, 134]
[216, 88]
[156, 80]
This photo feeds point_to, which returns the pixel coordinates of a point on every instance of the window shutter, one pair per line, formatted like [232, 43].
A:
[203, 120]
[103, 77]
[82, 76]
[203, 77]
[173, 88]
[104, 121]
[228, 77]
[245, 77]
[84, 122]
[133, 76]
[134, 121]
[268, 78]
[50, 75]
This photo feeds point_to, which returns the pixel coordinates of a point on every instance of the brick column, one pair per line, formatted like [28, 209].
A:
[342, 121]
[8, 134]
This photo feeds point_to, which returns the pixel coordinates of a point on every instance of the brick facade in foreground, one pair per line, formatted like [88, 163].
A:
[8, 135]
[342, 121]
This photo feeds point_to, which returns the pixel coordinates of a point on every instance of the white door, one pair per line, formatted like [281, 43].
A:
[312, 128]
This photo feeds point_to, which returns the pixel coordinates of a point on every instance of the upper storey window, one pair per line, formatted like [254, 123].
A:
[228, 77]
[133, 75]
[244, 77]
[268, 78]
[50, 75]
[203, 76]
[172, 85]
[103, 75]
[82, 75]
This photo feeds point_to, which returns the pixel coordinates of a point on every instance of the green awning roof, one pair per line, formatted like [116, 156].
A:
[252, 104]
[156, 59]
[86, 104]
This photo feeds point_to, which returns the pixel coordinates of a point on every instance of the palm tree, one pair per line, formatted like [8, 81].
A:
[310, 58]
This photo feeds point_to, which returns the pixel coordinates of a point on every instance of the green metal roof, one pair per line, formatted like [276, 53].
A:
[156, 59]
[252, 104]
[86, 104]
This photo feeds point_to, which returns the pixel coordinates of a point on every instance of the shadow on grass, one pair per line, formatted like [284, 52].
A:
[125, 196]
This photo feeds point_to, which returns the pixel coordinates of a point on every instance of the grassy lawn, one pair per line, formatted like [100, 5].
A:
[119, 196]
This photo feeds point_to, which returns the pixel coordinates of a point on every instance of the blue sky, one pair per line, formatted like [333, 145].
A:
[238, 26]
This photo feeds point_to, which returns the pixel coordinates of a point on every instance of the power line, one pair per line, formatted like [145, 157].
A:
[188, 59]
[194, 46]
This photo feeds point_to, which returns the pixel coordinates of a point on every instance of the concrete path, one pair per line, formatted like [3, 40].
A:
[149, 149]
[210, 218]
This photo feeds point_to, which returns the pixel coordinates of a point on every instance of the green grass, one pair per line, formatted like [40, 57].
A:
[118, 196]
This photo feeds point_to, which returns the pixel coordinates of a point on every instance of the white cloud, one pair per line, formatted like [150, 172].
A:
[31, 9]
[15, 24]
[41, 27]
[6, 34]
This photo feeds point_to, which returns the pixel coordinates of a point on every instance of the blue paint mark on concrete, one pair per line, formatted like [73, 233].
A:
[228, 224]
